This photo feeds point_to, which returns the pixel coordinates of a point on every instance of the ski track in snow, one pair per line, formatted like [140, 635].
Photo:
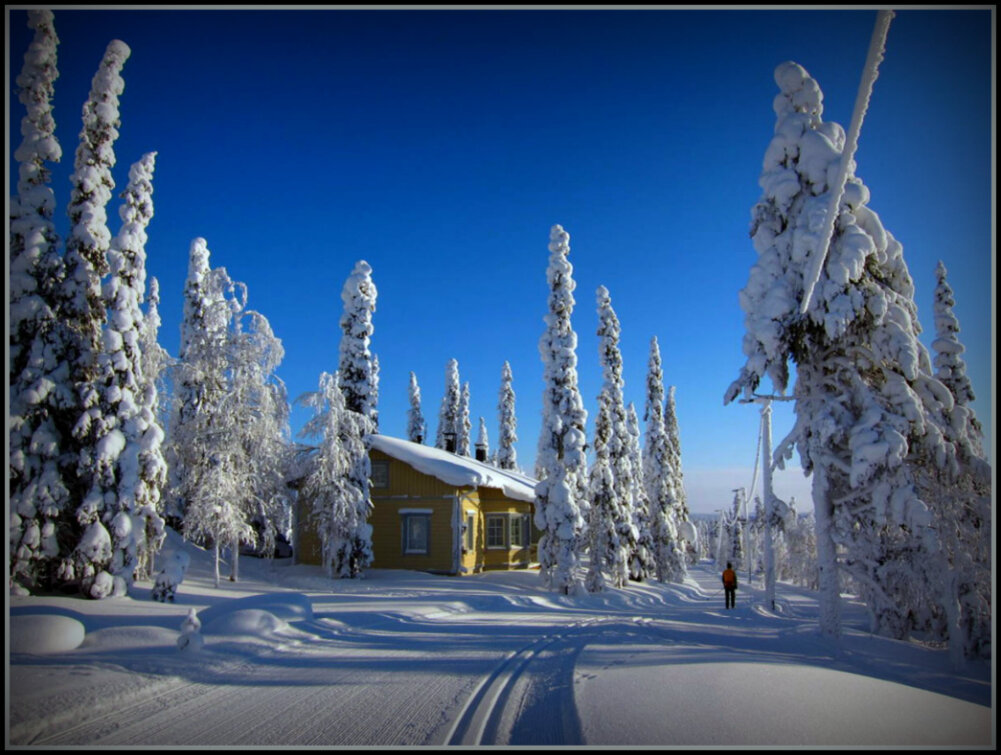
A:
[443, 664]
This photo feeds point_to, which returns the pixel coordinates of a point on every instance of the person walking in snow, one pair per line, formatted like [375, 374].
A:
[730, 585]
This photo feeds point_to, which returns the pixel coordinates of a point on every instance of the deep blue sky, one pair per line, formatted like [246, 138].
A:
[440, 146]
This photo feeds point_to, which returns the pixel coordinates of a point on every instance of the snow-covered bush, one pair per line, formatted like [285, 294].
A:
[168, 579]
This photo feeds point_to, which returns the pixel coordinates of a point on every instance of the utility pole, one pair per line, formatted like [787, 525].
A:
[766, 481]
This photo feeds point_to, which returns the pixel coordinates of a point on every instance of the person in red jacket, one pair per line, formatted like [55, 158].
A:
[730, 585]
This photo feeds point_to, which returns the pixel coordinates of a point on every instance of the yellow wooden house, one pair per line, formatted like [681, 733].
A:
[438, 511]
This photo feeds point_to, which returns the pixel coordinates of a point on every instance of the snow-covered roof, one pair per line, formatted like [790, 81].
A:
[453, 469]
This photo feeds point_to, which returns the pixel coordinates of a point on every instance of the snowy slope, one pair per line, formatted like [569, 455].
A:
[404, 658]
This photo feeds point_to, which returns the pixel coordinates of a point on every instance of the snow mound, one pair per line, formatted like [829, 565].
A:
[45, 634]
[246, 621]
[256, 615]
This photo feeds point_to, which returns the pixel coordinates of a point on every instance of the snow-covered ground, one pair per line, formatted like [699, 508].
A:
[404, 658]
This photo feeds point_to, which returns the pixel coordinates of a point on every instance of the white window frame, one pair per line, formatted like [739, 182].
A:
[488, 518]
[517, 523]
[411, 515]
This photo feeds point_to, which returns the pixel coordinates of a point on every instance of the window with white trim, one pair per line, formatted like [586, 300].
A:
[416, 533]
[517, 532]
[496, 533]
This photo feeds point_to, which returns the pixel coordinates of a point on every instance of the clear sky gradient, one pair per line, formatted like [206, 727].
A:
[442, 145]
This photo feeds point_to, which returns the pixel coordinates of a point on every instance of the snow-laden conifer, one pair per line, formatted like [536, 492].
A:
[198, 376]
[962, 503]
[603, 540]
[616, 439]
[465, 424]
[870, 417]
[560, 496]
[156, 361]
[507, 456]
[950, 367]
[416, 426]
[658, 480]
[641, 561]
[358, 379]
[129, 482]
[448, 415]
[39, 390]
[336, 484]
[82, 314]
[681, 515]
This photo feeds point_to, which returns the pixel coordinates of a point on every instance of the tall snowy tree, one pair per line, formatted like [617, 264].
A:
[256, 414]
[82, 314]
[641, 561]
[39, 393]
[616, 439]
[337, 482]
[356, 373]
[658, 479]
[507, 456]
[131, 467]
[416, 426]
[198, 375]
[448, 415]
[870, 417]
[962, 504]
[560, 501]
[681, 514]
[950, 367]
[465, 424]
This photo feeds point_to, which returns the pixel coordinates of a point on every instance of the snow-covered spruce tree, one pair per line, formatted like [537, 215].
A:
[682, 522]
[507, 457]
[950, 367]
[641, 560]
[336, 484]
[358, 379]
[465, 424]
[560, 497]
[870, 417]
[448, 415]
[130, 465]
[416, 426]
[658, 478]
[82, 314]
[483, 441]
[156, 362]
[198, 375]
[603, 541]
[619, 461]
[963, 506]
[39, 394]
